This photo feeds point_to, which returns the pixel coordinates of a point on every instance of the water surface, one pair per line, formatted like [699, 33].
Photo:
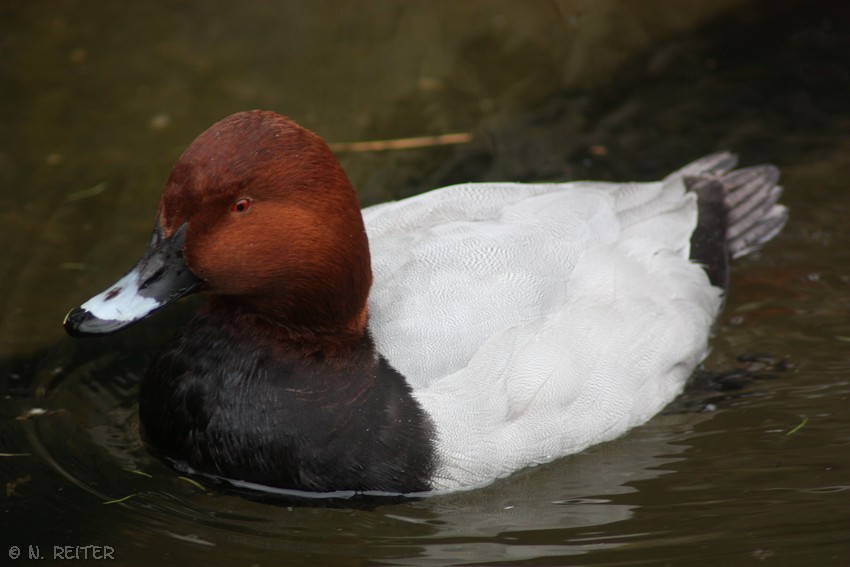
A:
[99, 98]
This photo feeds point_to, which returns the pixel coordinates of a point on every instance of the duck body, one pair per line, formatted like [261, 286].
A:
[434, 343]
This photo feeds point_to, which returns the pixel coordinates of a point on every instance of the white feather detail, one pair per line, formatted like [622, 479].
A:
[535, 320]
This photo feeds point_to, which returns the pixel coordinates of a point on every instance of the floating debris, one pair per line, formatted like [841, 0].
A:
[193, 482]
[192, 538]
[799, 426]
[13, 484]
[159, 121]
[86, 193]
[119, 500]
[32, 412]
[138, 472]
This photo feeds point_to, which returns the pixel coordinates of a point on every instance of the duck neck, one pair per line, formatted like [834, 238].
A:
[282, 327]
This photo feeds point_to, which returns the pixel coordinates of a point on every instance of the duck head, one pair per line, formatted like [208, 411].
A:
[258, 213]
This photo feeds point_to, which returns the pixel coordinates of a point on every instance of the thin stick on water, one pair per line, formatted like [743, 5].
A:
[402, 143]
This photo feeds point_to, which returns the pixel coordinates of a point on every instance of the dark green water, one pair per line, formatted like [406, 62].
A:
[97, 99]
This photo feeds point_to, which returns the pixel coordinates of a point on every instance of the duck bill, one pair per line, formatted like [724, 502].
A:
[160, 277]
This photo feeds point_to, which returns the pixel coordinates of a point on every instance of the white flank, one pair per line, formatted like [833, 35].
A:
[535, 320]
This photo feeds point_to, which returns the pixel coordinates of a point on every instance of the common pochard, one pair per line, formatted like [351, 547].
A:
[434, 343]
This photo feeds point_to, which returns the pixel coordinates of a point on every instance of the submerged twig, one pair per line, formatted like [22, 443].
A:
[403, 143]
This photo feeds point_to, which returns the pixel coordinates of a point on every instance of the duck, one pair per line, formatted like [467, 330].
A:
[430, 344]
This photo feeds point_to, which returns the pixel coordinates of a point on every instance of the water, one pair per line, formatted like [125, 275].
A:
[100, 98]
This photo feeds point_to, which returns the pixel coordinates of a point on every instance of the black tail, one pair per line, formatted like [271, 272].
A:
[738, 211]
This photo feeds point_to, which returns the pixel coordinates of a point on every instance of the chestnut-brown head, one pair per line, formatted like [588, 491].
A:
[269, 223]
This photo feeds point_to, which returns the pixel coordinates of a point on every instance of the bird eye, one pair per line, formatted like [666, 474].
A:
[241, 206]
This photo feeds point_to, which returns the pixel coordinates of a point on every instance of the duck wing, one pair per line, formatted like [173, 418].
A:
[456, 266]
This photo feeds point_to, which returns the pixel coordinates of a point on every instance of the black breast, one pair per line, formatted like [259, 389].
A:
[233, 408]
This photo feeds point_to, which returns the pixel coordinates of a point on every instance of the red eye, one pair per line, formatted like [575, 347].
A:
[241, 206]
